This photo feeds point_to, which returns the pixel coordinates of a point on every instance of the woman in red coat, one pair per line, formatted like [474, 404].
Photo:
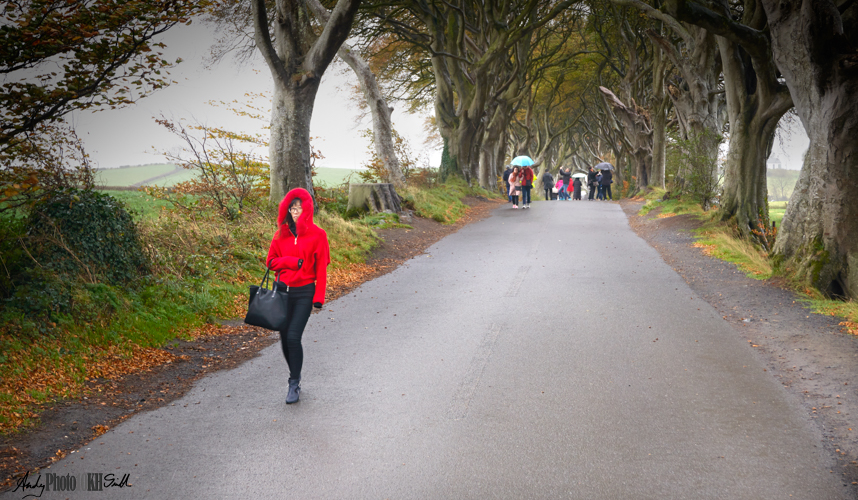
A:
[299, 254]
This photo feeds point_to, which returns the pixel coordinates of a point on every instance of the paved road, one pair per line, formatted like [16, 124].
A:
[542, 353]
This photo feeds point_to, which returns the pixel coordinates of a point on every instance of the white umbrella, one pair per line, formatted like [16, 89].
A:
[579, 175]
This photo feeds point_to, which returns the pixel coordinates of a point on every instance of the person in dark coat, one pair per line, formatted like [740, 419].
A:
[547, 184]
[607, 180]
[576, 189]
[592, 185]
[506, 182]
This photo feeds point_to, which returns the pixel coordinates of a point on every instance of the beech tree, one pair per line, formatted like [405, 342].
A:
[551, 111]
[297, 56]
[660, 107]
[558, 69]
[637, 126]
[601, 137]
[815, 46]
[624, 120]
[382, 124]
[756, 100]
[695, 92]
[474, 53]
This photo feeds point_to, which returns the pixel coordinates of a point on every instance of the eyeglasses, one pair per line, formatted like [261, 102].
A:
[295, 210]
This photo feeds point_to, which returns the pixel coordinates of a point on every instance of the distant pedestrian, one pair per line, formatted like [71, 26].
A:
[576, 189]
[606, 170]
[506, 181]
[592, 185]
[299, 255]
[547, 184]
[526, 185]
[515, 186]
[566, 176]
[600, 194]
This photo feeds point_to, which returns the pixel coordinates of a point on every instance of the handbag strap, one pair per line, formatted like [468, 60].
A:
[266, 279]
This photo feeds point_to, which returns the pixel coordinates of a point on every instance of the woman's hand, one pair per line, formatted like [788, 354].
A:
[286, 263]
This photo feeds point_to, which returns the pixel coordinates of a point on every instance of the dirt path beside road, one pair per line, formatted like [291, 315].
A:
[810, 354]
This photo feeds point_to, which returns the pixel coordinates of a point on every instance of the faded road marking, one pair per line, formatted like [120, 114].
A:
[517, 281]
[463, 396]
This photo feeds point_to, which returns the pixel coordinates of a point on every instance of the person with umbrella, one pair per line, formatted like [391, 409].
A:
[525, 177]
[607, 179]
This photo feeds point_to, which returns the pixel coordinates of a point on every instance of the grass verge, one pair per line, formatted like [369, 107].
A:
[444, 202]
[720, 240]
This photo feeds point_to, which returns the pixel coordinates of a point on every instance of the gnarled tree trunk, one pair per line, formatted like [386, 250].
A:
[492, 150]
[638, 133]
[659, 120]
[815, 49]
[755, 104]
[382, 125]
[289, 148]
[380, 197]
[297, 58]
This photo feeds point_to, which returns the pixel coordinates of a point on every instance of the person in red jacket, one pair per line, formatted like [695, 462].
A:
[299, 254]
[526, 185]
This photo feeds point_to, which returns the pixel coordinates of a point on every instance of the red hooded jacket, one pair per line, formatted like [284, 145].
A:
[526, 176]
[310, 244]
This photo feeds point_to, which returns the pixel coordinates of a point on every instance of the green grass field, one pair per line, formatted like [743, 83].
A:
[129, 176]
[333, 176]
[142, 205]
[781, 183]
[776, 211]
[171, 180]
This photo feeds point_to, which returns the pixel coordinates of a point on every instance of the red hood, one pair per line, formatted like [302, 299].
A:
[305, 220]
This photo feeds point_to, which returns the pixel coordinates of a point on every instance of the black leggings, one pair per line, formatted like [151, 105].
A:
[300, 306]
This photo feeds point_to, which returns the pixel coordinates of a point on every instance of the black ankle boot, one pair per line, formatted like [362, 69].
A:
[294, 391]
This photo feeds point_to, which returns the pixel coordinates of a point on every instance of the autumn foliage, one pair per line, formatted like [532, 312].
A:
[227, 176]
[61, 55]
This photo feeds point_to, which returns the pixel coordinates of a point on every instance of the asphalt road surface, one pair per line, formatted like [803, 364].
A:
[541, 353]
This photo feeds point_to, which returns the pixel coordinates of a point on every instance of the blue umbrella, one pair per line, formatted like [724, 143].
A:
[522, 161]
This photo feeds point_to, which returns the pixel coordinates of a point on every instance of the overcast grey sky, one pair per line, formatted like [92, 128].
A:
[791, 142]
[127, 136]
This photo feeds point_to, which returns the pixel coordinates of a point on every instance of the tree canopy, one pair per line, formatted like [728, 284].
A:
[61, 55]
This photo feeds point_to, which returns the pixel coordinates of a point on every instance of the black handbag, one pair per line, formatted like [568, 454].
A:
[267, 308]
